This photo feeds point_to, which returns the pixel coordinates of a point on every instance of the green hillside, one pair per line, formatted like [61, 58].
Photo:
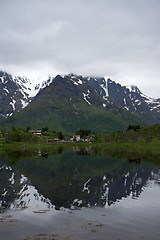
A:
[61, 107]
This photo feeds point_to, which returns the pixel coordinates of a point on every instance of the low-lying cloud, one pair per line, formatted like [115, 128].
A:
[117, 39]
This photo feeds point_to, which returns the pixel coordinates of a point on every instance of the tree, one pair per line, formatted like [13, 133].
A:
[60, 135]
[83, 132]
[45, 129]
[28, 128]
[134, 127]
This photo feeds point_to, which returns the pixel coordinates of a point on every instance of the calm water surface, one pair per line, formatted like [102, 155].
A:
[76, 194]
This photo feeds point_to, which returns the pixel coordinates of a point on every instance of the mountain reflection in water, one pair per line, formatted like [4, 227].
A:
[71, 179]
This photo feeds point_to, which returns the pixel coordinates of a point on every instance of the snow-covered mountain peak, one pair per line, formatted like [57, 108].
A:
[134, 88]
[108, 80]
[39, 86]
[132, 99]
[17, 92]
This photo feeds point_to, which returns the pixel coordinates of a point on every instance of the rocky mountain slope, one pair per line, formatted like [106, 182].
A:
[130, 98]
[70, 102]
[16, 93]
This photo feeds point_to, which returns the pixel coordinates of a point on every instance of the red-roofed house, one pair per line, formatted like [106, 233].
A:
[36, 132]
[77, 138]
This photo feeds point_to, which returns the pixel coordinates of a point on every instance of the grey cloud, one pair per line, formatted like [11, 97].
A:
[117, 39]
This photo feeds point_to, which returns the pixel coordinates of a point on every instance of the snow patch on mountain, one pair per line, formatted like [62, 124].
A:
[138, 98]
[76, 80]
[5, 89]
[105, 90]
[24, 104]
[13, 104]
[133, 88]
[104, 86]
[85, 96]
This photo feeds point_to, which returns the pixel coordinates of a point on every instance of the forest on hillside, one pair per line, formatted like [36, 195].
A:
[136, 134]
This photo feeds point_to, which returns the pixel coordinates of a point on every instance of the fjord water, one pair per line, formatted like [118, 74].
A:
[75, 194]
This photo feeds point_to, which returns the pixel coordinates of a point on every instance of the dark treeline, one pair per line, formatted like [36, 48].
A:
[135, 133]
[83, 132]
[18, 135]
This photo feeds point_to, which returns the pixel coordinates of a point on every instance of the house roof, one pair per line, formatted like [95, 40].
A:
[35, 131]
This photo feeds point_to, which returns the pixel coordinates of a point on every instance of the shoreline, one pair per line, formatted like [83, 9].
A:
[131, 151]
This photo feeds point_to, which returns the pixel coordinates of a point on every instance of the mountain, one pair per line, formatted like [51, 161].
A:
[71, 102]
[16, 93]
[134, 100]
[130, 98]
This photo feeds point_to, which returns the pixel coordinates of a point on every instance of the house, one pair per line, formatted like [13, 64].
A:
[67, 139]
[56, 140]
[90, 138]
[36, 132]
[53, 140]
[76, 138]
[50, 140]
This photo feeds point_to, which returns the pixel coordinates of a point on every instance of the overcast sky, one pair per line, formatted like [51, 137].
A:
[119, 39]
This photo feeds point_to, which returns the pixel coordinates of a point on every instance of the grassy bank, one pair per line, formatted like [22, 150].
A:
[139, 147]
[21, 146]
[129, 146]
[114, 149]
